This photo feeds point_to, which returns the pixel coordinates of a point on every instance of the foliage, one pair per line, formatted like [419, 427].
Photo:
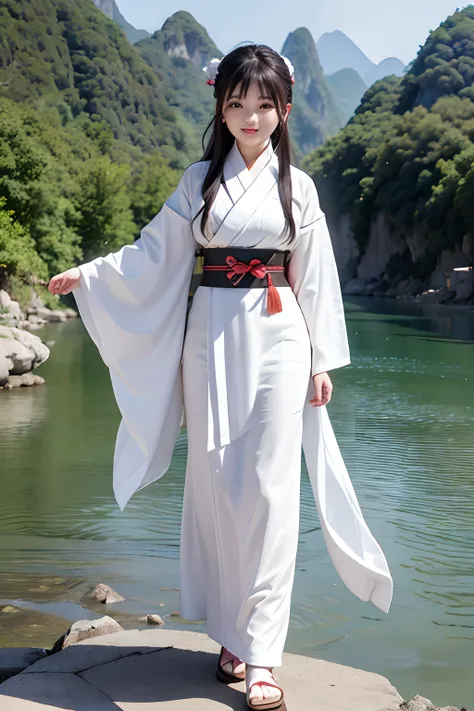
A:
[409, 150]
[69, 53]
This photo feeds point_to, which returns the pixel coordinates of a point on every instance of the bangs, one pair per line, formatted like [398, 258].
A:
[264, 76]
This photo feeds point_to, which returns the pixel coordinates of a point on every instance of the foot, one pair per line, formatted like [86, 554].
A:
[232, 664]
[260, 693]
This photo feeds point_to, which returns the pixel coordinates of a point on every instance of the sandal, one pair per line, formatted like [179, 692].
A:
[225, 676]
[265, 704]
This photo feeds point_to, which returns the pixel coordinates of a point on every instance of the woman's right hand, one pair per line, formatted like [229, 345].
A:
[65, 282]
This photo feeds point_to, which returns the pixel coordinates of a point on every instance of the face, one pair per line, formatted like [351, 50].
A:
[252, 118]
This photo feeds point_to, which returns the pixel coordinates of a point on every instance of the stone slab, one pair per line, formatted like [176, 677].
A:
[51, 692]
[181, 678]
[169, 670]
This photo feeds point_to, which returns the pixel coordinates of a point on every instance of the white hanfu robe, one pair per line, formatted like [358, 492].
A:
[244, 380]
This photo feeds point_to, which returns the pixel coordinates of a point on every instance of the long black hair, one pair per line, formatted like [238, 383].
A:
[239, 68]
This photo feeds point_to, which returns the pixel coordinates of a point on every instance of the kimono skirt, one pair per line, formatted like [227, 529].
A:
[241, 502]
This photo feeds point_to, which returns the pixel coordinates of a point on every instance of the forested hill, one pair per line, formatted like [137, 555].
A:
[68, 54]
[177, 53]
[398, 181]
[315, 114]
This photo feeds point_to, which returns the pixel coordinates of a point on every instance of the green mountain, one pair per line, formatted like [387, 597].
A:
[315, 114]
[176, 54]
[66, 53]
[348, 89]
[402, 170]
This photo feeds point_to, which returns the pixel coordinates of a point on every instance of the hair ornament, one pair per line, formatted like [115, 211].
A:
[211, 70]
[291, 68]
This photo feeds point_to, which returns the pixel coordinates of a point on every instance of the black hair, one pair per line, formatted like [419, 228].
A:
[239, 68]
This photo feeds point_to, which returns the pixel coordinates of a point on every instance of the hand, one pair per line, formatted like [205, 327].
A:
[65, 282]
[323, 386]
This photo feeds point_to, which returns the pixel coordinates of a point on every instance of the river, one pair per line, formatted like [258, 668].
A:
[404, 416]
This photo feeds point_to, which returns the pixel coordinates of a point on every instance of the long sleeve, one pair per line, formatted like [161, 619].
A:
[313, 276]
[133, 304]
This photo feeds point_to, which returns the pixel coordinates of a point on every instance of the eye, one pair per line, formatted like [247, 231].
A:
[267, 106]
[234, 105]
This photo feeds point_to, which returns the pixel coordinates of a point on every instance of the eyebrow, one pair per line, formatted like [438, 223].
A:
[235, 96]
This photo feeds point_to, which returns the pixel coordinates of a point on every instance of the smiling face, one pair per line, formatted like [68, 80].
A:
[251, 119]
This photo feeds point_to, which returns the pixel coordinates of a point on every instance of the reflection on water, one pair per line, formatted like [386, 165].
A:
[403, 413]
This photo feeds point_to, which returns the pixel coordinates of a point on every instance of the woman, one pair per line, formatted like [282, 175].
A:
[265, 327]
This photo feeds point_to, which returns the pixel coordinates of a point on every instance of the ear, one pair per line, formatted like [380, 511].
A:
[288, 111]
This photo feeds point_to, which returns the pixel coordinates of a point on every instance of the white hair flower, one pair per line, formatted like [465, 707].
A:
[291, 68]
[211, 70]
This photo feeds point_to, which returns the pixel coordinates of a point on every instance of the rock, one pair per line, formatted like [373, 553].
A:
[105, 595]
[70, 313]
[5, 365]
[354, 287]
[35, 344]
[152, 620]
[5, 299]
[436, 296]
[9, 610]
[15, 660]
[21, 357]
[418, 703]
[52, 315]
[15, 310]
[461, 281]
[86, 629]
[23, 381]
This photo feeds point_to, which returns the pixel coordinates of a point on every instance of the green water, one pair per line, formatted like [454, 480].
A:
[404, 415]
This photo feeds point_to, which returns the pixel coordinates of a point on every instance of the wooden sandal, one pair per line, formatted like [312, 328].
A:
[269, 705]
[224, 676]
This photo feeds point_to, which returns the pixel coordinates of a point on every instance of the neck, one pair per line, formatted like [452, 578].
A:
[251, 153]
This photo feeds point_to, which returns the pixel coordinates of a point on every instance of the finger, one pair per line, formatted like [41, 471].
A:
[316, 401]
[326, 393]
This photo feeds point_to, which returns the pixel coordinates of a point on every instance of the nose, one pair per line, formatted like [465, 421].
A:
[250, 116]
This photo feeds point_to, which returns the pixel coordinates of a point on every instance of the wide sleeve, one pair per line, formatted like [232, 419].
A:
[312, 274]
[133, 304]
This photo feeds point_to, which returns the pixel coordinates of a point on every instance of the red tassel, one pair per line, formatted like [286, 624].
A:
[273, 297]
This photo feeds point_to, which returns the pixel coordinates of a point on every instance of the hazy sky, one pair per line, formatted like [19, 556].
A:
[381, 28]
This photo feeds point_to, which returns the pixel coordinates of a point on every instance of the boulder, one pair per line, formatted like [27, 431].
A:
[52, 315]
[5, 299]
[22, 381]
[418, 703]
[105, 595]
[21, 357]
[354, 287]
[32, 342]
[87, 629]
[151, 620]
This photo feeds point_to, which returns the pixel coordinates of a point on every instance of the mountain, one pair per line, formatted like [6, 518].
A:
[397, 182]
[133, 35]
[348, 89]
[337, 51]
[388, 66]
[65, 53]
[315, 114]
[177, 53]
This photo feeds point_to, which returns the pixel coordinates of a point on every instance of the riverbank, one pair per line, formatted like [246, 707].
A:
[161, 669]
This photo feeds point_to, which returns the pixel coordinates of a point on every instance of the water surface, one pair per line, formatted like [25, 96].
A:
[404, 416]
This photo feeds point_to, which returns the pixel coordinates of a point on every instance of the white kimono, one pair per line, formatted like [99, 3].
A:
[243, 378]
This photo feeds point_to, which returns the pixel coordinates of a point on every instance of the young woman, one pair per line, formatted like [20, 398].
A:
[250, 367]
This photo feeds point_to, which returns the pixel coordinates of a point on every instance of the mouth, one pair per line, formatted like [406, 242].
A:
[250, 130]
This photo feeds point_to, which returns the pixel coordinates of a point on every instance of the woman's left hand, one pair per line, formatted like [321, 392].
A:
[323, 386]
